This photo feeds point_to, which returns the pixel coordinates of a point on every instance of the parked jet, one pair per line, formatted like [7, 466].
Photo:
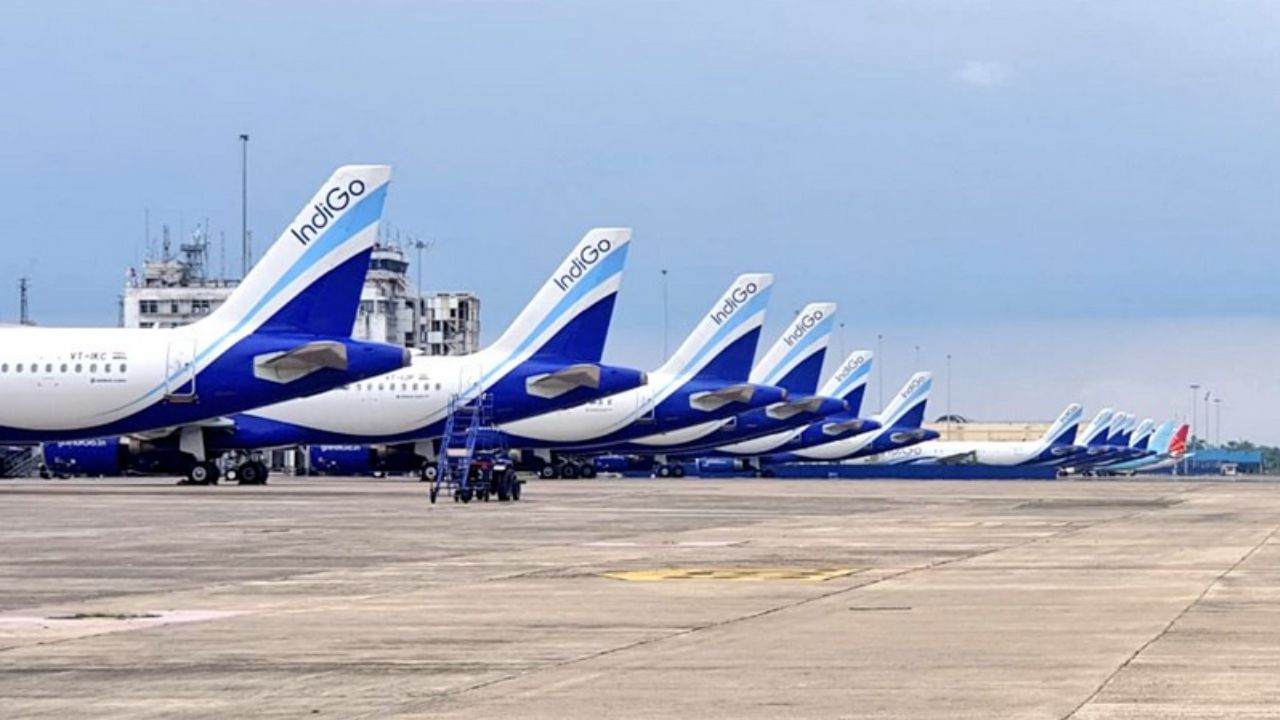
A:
[792, 363]
[284, 333]
[1168, 445]
[848, 383]
[548, 358]
[1050, 448]
[706, 379]
[900, 426]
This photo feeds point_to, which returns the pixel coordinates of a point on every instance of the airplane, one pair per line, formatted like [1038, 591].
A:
[793, 363]
[1105, 440]
[1168, 445]
[285, 332]
[705, 379]
[1055, 444]
[900, 426]
[848, 383]
[548, 358]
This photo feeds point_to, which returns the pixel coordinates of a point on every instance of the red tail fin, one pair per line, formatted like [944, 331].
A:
[1178, 447]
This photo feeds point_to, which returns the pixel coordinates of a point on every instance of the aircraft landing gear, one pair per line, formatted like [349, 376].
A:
[252, 472]
[202, 473]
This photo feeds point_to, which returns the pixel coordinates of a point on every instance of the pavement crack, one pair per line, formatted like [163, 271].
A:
[1106, 682]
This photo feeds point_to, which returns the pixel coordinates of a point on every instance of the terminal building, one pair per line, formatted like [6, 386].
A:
[177, 290]
[956, 427]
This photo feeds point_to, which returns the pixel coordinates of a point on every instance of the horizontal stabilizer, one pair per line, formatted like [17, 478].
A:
[716, 399]
[855, 425]
[786, 410]
[555, 384]
[963, 458]
[291, 365]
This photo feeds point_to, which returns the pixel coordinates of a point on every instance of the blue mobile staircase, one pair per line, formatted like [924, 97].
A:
[472, 462]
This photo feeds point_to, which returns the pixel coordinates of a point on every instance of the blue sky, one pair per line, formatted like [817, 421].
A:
[978, 178]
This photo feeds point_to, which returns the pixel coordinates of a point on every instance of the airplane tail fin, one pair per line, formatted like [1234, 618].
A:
[1063, 430]
[1162, 437]
[1096, 431]
[795, 360]
[906, 409]
[849, 383]
[1178, 447]
[309, 280]
[1141, 437]
[569, 317]
[723, 344]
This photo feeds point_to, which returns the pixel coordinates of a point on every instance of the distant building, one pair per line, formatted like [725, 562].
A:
[957, 427]
[175, 291]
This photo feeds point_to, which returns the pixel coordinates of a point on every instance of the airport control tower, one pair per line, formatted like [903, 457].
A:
[176, 289]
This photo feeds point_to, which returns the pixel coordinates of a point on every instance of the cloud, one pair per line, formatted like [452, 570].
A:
[983, 74]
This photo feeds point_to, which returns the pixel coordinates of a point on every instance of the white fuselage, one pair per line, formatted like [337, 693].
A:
[59, 379]
[406, 401]
[600, 418]
[983, 452]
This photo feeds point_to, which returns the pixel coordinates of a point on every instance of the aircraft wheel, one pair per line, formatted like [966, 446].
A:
[664, 471]
[588, 471]
[569, 471]
[429, 473]
[253, 473]
[203, 473]
[548, 472]
[677, 471]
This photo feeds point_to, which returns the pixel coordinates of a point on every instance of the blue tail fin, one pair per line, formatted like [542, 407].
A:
[723, 345]
[569, 317]
[309, 281]
[849, 383]
[906, 409]
[795, 360]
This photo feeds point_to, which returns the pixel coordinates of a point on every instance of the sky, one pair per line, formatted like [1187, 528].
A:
[1075, 200]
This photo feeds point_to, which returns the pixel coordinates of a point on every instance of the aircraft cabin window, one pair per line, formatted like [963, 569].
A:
[62, 368]
[123, 367]
[79, 367]
[93, 367]
[4, 368]
[48, 367]
[106, 368]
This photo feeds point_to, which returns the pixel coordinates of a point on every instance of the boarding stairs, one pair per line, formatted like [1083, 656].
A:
[469, 431]
[19, 461]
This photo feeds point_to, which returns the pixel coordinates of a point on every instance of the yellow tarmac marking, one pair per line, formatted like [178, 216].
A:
[732, 574]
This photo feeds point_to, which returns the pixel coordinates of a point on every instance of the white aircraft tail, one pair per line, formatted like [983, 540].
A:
[906, 409]
[849, 383]
[309, 280]
[723, 344]
[1065, 425]
[795, 360]
[569, 316]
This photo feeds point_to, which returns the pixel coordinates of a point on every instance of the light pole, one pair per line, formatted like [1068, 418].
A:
[665, 349]
[1191, 448]
[949, 416]
[1217, 411]
[1206, 417]
[246, 252]
[419, 311]
[880, 368]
